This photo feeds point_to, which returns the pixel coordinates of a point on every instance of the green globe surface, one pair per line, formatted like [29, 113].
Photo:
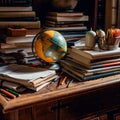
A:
[50, 46]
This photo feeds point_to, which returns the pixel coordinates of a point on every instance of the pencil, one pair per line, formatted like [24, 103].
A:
[13, 92]
[63, 80]
[10, 95]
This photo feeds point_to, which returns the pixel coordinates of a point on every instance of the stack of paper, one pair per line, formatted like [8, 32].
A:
[31, 77]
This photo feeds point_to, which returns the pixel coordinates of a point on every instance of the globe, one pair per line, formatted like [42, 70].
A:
[50, 45]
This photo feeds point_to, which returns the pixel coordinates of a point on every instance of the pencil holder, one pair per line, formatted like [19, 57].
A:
[110, 41]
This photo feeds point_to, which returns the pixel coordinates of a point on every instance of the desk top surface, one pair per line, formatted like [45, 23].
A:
[50, 92]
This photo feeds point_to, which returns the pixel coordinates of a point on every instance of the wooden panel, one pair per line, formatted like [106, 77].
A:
[25, 114]
[19, 114]
[78, 106]
[46, 111]
[96, 101]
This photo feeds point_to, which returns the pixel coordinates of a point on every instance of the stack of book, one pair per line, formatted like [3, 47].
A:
[21, 24]
[18, 13]
[14, 44]
[91, 64]
[73, 25]
[22, 77]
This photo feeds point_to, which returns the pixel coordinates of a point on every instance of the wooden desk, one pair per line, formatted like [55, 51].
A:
[97, 99]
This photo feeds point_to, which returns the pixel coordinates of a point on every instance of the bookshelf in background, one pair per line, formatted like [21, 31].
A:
[100, 14]
[68, 20]
[89, 8]
[118, 14]
[99, 11]
[112, 14]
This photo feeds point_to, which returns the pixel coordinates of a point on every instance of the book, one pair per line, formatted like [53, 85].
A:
[15, 8]
[67, 63]
[29, 19]
[25, 75]
[90, 62]
[22, 24]
[14, 32]
[74, 43]
[66, 14]
[67, 28]
[89, 74]
[63, 25]
[63, 22]
[19, 14]
[118, 16]
[15, 45]
[12, 85]
[96, 53]
[101, 5]
[14, 50]
[22, 39]
[65, 18]
[15, 2]
[71, 34]
[7, 60]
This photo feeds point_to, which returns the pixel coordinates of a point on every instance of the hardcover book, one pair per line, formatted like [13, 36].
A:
[67, 28]
[15, 8]
[89, 74]
[9, 19]
[15, 2]
[17, 14]
[66, 14]
[21, 39]
[65, 18]
[91, 62]
[22, 24]
[96, 53]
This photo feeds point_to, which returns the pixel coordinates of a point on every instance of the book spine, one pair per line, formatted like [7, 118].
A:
[15, 8]
[15, 2]
[101, 75]
[118, 15]
[82, 18]
[101, 14]
[17, 14]
[20, 19]
[101, 72]
[66, 14]
[114, 12]
[105, 65]
[22, 24]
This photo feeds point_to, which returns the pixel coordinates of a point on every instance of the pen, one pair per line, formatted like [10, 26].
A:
[55, 79]
[58, 83]
[13, 92]
[59, 79]
[7, 93]
[70, 81]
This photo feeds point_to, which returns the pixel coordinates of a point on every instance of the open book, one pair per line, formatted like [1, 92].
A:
[25, 75]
